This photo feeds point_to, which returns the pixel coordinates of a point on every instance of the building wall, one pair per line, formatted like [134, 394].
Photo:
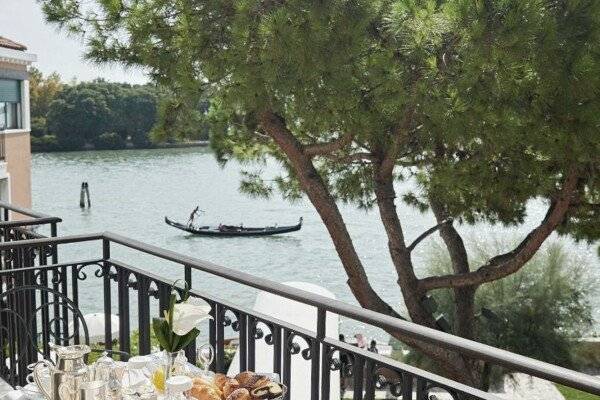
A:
[13, 67]
[18, 167]
[15, 171]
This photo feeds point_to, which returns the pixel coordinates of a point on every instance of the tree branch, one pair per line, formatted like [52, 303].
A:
[399, 136]
[351, 158]
[318, 193]
[428, 232]
[464, 297]
[325, 148]
[509, 263]
[451, 237]
[389, 160]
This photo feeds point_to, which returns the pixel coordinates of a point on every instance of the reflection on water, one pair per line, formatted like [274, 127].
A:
[133, 190]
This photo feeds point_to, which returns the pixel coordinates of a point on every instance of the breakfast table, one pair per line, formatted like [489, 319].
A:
[143, 378]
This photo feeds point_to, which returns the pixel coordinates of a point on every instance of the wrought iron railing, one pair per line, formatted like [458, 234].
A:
[18, 223]
[121, 284]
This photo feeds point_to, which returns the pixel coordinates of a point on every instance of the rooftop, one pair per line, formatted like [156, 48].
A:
[10, 44]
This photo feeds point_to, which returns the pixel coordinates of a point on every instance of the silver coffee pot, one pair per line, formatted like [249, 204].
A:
[67, 375]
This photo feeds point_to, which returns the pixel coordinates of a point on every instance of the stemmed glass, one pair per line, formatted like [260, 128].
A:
[205, 355]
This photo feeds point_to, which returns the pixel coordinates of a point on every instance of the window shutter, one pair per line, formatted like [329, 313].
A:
[10, 91]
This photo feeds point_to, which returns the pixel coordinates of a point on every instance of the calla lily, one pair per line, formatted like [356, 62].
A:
[188, 314]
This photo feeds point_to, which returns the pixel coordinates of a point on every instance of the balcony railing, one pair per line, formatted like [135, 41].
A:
[18, 223]
[138, 294]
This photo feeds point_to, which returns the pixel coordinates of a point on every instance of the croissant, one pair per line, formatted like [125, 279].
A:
[205, 392]
[219, 380]
[230, 386]
[239, 394]
[248, 379]
[201, 381]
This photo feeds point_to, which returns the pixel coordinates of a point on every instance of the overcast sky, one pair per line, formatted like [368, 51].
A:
[23, 22]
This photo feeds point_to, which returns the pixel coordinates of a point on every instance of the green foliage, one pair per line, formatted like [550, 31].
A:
[134, 113]
[44, 143]
[587, 354]
[109, 141]
[39, 126]
[177, 119]
[42, 92]
[163, 327]
[573, 394]
[539, 312]
[79, 115]
[105, 115]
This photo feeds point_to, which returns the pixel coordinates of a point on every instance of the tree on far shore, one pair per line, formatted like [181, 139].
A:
[485, 104]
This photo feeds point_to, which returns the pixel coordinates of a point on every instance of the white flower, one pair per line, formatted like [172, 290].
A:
[188, 315]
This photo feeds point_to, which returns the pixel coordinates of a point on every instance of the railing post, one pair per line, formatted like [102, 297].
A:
[370, 380]
[75, 298]
[276, 333]
[407, 385]
[326, 372]
[286, 375]
[188, 275]
[220, 339]
[124, 327]
[107, 294]
[63, 284]
[243, 323]
[251, 343]
[144, 315]
[421, 389]
[315, 353]
[190, 351]
[212, 334]
[358, 369]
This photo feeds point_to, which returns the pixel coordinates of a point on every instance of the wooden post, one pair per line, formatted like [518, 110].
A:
[85, 191]
[82, 196]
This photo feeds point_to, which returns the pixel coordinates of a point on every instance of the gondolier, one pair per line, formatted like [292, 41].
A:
[193, 216]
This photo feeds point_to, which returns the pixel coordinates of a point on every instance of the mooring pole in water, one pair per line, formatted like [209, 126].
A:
[82, 196]
[85, 191]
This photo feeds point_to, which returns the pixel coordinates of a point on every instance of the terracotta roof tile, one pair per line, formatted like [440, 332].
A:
[9, 44]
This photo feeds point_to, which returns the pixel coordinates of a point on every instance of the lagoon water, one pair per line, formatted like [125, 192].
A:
[132, 191]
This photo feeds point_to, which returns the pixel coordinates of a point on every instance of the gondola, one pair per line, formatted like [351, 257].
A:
[233, 230]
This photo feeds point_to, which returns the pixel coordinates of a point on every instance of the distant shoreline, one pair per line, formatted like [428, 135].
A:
[176, 145]
[193, 143]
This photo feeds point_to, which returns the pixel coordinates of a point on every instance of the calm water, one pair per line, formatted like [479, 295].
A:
[132, 191]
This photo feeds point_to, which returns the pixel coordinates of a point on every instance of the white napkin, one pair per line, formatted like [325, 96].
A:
[14, 395]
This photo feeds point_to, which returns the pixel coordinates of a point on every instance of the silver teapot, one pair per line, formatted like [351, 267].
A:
[67, 375]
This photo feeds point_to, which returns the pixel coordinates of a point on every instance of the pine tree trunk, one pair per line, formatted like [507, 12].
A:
[451, 363]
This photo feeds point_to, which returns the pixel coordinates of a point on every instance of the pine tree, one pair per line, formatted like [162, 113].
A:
[486, 104]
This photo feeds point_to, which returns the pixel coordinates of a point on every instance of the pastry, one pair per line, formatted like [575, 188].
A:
[271, 390]
[239, 394]
[261, 382]
[219, 380]
[205, 392]
[230, 386]
[201, 381]
[248, 379]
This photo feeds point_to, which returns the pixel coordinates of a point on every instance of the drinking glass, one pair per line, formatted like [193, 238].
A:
[93, 390]
[205, 355]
